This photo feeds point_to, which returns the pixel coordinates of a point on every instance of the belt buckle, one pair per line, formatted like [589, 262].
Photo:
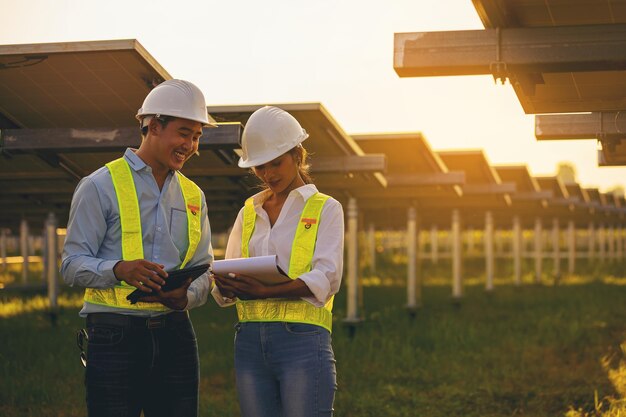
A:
[155, 322]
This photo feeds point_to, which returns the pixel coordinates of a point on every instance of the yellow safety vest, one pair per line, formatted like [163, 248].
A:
[132, 242]
[302, 249]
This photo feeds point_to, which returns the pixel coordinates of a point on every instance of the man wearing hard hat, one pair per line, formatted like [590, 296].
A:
[130, 222]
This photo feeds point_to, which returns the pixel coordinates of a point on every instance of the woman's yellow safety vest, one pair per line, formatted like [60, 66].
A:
[302, 249]
[132, 242]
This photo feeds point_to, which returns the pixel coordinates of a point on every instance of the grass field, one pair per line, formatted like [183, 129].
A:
[531, 350]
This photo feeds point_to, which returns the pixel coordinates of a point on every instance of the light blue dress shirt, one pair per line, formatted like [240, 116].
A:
[93, 241]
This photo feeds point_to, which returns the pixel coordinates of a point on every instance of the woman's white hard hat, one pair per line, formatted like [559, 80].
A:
[177, 98]
[269, 133]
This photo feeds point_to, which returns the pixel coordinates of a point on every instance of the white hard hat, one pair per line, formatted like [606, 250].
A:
[177, 98]
[269, 133]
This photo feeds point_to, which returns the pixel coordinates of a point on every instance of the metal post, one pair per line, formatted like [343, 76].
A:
[556, 247]
[51, 258]
[538, 250]
[371, 240]
[469, 236]
[434, 242]
[591, 241]
[411, 249]
[620, 243]
[517, 250]
[457, 283]
[571, 245]
[601, 242]
[489, 258]
[352, 302]
[24, 249]
[611, 239]
[44, 251]
[3, 249]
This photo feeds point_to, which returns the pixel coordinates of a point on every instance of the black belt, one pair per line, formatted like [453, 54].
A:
[122, 320]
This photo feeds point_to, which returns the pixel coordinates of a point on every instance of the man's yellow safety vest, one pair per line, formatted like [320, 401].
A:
[303, 247]
[132, 242]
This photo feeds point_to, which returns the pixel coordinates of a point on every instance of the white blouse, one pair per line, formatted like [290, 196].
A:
[324, 279]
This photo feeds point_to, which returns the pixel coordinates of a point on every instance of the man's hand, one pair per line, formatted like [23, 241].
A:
[175, 299]
[145, 275]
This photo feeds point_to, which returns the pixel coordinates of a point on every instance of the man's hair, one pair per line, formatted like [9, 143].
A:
[163, 120]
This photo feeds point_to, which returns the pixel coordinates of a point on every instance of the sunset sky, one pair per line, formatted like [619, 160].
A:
[339, 53]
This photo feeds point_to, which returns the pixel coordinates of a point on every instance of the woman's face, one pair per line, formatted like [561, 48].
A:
[280, 174]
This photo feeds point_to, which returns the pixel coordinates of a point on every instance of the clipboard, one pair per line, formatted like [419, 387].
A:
[175, 279]
[265, 269]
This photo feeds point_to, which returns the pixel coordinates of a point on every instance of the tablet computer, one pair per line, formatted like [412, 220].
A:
[174, 280]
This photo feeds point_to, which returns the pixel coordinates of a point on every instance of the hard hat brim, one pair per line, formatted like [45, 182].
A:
[255, 162]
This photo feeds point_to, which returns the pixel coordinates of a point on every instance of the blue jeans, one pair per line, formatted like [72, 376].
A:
[135, 365]
[284, 370]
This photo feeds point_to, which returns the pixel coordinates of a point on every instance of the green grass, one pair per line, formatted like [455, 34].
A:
[534, 351]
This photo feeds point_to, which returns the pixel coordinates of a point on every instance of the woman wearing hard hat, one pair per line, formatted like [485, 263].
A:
[284, 361]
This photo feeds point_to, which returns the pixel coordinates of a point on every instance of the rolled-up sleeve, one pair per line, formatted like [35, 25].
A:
[85, 231]
[324, 279]
[198, 291]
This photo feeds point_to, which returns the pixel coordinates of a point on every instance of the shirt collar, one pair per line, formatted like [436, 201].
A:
[306, 191]
[135, 162]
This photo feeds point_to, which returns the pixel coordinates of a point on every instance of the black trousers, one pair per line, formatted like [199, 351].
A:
[136, 364]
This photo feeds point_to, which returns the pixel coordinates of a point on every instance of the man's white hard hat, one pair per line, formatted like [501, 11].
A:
[177, 98]
[269, 133]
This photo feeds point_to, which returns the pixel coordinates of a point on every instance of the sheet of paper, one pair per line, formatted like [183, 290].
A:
[263, 268]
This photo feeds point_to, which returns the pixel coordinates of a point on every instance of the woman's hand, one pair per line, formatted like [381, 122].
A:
[241, 286]
[223, 285]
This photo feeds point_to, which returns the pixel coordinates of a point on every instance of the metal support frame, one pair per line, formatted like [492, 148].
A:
[591, 241]
[24, 249]
[457, 280]
[371, 243]
[51, 261]
[571, 245]
[538, 248]
[601, 243]
[517, 250]
[434, 244]
[413, 287]
[556, 247]
[489, 253]
[3, 249]
[611, 243]
[527, 50]
[353, 262]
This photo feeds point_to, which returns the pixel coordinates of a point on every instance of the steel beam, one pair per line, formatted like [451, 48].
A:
[226, 135]
[517, 50]
[596, 125]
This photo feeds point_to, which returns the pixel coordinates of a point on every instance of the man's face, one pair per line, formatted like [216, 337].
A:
[172, 145]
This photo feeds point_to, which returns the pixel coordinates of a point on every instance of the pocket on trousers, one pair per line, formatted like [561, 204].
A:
[105, 335]
[302, 328]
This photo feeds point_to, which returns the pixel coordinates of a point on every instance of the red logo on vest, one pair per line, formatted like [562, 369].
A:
[308, 222]
[193, 209]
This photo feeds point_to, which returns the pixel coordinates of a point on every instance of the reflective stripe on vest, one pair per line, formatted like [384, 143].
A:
[302, 249]
[132, 242]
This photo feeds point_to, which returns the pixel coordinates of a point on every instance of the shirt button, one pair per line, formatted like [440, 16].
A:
[159, 228]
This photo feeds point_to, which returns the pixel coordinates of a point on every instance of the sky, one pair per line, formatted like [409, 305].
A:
[336, 52]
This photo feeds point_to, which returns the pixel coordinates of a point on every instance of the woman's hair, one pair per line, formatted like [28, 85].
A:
[300, 155]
